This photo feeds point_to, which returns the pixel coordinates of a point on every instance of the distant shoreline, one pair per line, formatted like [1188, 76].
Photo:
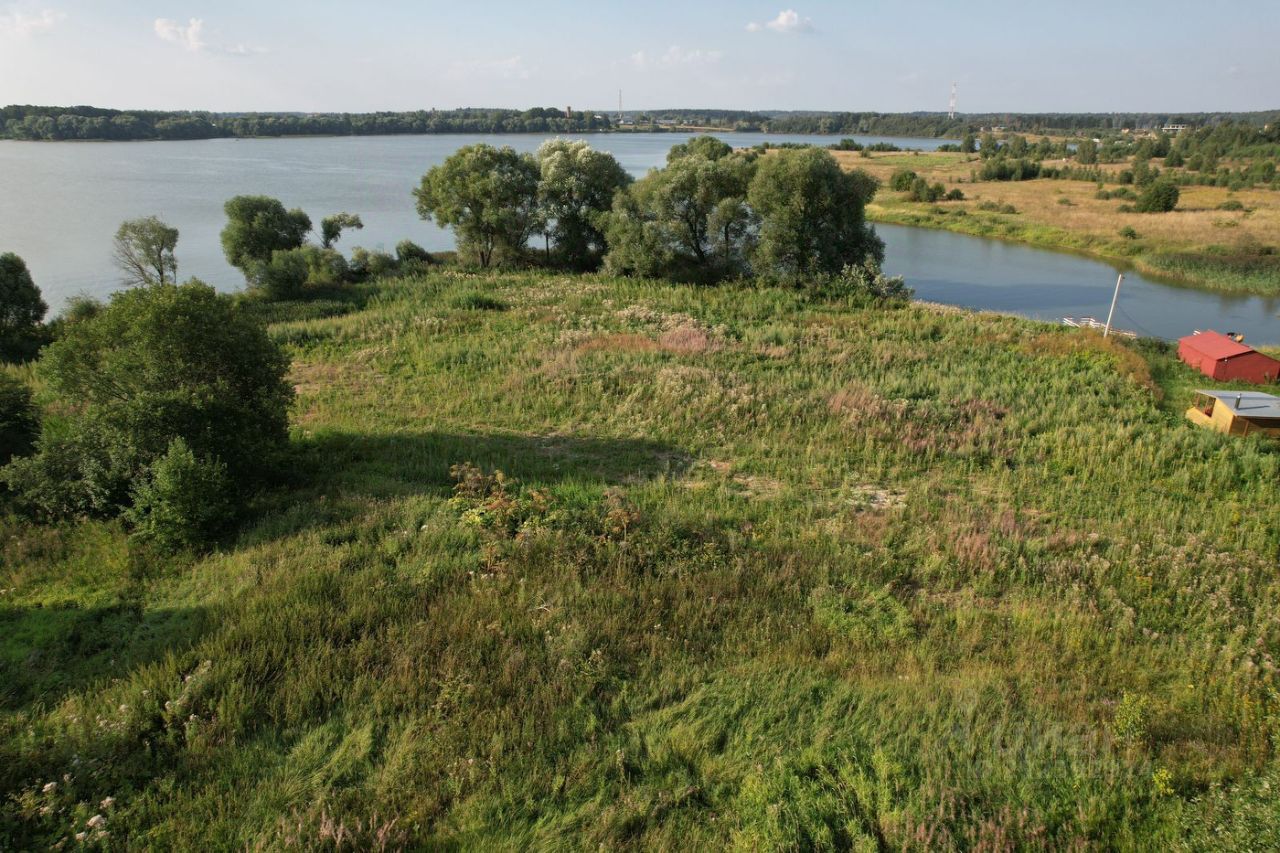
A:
[594, 132]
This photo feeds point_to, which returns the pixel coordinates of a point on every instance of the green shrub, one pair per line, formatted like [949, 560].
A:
[325, 266]
[996, 207]
[1128, 233]
[921, 190]
[902, 180]
[158, 363]
[370, 263]
[955, 194]
[283, 276]
[183, 502]
[18, 420]
[21, 310]
[1160, 197]
[1231, 204]
[1009, 169]
[409, 252]
[862, 281]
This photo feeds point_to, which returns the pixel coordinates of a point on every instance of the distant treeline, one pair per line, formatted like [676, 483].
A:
[69, 123]
[55, 123]
[939, 125]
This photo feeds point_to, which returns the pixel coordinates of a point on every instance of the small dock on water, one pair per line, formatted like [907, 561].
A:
[1091, 323]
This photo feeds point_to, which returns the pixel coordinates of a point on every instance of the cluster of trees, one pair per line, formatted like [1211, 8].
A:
[268, 244]
[918, 189]
[163, 408]
[85, 123]
[928, 124]
[711, 213]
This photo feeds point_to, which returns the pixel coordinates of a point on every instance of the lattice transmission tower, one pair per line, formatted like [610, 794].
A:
[951, 108]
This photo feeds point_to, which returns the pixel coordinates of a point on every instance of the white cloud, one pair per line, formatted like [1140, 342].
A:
[191, 36]
[15, 22]
[511, 68]
[788, 21]
[675, 57]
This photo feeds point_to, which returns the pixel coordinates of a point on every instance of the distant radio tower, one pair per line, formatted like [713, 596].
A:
[619, 106]
[951, 110]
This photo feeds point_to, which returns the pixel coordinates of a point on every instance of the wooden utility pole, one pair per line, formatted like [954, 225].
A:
[1114, 298]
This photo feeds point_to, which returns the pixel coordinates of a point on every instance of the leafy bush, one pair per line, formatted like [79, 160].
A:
[996, 207]
[1160, 197]
[368, 263]
[1009, 169]
[21, 310]
[902, 180]
[955, 194]
[409, 252]
[283, 276]
[325, 266]
[18, 420]
[183, 501]
[863, 281]
[156, 364]
[1231, 204]
[921, 190]
[1128, 233]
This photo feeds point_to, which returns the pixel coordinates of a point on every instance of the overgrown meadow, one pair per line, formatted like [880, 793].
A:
[572, 562]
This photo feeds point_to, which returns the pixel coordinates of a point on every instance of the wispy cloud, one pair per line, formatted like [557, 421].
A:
[510, 68]
[675, 57]
[15, 22]
[788, 21]
[191, 37]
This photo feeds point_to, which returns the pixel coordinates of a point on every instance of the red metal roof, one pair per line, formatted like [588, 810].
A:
[1216, 346]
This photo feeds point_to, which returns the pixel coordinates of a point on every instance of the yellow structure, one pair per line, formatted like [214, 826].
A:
[1237, 412]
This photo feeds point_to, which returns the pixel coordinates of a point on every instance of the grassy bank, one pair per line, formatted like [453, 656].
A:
[1198, 244]
[760, 573]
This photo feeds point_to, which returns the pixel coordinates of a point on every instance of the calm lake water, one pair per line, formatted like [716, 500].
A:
[60, 204]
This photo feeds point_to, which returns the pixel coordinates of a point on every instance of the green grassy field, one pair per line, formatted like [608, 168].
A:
[759, 573]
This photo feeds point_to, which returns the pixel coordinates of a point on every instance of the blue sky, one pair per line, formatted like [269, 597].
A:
[798, 54]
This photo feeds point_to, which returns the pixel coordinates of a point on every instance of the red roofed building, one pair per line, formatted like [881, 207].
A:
[1226, 359]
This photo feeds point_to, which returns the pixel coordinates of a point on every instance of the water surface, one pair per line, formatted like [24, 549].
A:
[60, 204]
